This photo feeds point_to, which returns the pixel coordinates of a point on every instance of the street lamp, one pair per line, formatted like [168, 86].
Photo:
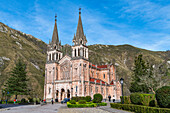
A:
[121, 81]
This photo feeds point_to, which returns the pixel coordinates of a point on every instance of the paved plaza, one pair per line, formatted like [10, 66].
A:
[56, 108]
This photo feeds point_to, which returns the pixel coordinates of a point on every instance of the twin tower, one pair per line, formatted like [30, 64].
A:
[79, 48]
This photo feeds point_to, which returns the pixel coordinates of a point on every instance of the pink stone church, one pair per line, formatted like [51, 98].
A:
[70, 76]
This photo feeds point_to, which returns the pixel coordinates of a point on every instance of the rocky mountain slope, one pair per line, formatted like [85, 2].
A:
[15, 44]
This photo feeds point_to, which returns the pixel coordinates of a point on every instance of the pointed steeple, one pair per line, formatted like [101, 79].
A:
[55, 38]
[80, 37]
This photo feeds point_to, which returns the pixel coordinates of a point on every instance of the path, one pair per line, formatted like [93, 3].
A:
[56, 108]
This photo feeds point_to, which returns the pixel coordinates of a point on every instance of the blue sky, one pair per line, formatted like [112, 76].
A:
[141, 23]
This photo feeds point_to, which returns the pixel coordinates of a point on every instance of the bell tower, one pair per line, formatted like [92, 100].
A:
[54, 53]
[79, 48]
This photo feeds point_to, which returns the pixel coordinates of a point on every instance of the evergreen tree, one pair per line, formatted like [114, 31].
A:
[17, 82]
[140, 70]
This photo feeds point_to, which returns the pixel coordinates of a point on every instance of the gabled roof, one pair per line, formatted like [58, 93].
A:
[66, 57]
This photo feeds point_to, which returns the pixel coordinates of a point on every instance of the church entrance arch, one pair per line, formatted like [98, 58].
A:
[62, 94]
[68, 93]
[57, 94]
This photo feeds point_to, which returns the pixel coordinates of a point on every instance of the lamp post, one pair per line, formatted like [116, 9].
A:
[121, 81]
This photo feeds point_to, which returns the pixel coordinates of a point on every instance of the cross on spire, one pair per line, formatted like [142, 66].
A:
[79, 10]
[55, 17]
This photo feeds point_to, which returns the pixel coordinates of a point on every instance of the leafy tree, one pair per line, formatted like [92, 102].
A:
[17, 82]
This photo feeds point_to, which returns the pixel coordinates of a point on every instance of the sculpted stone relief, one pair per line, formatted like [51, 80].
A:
[75, 71]
[65, 70]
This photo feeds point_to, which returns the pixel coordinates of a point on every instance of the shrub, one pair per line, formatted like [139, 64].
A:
[38, 100]
[152, 103]
[30, 99]
[69, 105]
[146, 98]
[101, 104]
[72, 101]
[97, 98]
[136, 98]
[139, 108]
[126, 99]
[82, 101]
[34, 99]
[88, 98]
[163, 96]
[141, 99]
[23, 100]
[78, 98]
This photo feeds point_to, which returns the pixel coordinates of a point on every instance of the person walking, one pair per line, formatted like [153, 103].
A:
[109, 98]
[52, 101]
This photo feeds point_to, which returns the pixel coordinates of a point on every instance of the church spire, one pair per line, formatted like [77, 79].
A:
[80, 37]
[55, 38]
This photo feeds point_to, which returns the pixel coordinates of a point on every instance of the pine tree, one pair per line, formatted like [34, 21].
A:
[140, 70]
[17, 82]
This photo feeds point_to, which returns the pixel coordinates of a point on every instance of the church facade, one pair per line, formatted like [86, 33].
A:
[70, 76]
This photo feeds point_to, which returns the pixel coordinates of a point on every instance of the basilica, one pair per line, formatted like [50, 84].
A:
[70, 76]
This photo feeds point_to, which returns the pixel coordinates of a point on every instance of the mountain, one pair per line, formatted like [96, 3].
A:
[16, 44]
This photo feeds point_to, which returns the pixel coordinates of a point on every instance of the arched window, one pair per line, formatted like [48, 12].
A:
[75, 52]
[50, 57]
[49, 90]
[53, 56]
[85, 53]
[78, 52]
[56, 56]
[76, 88]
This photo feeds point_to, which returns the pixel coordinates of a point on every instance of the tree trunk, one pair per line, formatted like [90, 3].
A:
[152, 90]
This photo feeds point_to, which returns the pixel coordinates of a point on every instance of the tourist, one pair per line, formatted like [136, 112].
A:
[44, 101]
[109, 98]
[6, 101]
[14, 101]
[52, 101]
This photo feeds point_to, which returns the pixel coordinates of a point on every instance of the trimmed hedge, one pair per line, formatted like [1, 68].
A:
[88, 98]
[69, 105]
[136, 98]
[126, 99]
[163, 96]
[23, 100]
[147, 98]
[142, 99]
[101, 104]
[78, 98]
[88, 104]
[139, 108]
[97, 98]
[72, 101]
[82, 101]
